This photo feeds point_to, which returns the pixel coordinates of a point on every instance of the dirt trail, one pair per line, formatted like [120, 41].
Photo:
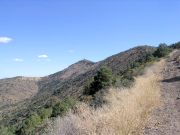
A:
[166, 119]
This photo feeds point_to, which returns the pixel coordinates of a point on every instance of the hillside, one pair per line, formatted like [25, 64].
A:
[69, 82]
[36, 100]
[13, 90]
[31, 95]
[150, 107]
[125, 114]
[64, 84]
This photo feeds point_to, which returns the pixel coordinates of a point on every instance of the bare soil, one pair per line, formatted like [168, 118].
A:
[165, 120]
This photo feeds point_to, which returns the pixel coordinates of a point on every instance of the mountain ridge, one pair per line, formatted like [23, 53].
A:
[71, 80]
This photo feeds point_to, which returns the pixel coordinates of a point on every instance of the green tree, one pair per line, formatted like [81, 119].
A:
[102, 80]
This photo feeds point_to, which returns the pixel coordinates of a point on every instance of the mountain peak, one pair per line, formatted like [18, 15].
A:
[73, 70]
[84, 61]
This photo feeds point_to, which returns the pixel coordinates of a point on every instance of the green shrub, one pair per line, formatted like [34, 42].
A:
[150, 58]
[162, 51]
[123, 82]
[30, 124]
[52, 101]
[102, 80]
[135, 64]
[175, 45]
[63, 107]
[126, 82]
[45, 113]
[6, 130]
[87, 87]
[128, 74]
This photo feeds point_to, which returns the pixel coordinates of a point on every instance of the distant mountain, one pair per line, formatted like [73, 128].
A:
[20, 96]
[53, 82]
[69, 82]
[17, 89]
[73, 70]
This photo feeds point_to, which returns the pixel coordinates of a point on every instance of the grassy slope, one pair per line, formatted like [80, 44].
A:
[74, 86]
[112, 60]
[125, 114]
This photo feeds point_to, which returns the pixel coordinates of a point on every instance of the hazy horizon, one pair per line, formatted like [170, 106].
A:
[38, 38]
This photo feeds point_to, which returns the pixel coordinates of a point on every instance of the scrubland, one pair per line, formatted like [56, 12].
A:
[125, 113]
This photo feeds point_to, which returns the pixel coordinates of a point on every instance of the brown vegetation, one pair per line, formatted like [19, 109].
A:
[126, 113]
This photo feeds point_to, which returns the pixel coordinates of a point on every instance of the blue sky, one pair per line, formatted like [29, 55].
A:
[39, 37]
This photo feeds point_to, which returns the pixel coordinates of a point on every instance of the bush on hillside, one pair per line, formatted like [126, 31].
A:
[6, 131]
[128, 74]
[45, 113]
[36, 119]
[102, 80]
[87, 87]
[52, 101]
[63, 107]
[175, 45]
[30, 124]
[123, 82]
[162, 51]
[126, 78]
[150, 58]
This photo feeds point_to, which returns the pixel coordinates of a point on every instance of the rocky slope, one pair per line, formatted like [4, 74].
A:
[69, 82]
[72, 80]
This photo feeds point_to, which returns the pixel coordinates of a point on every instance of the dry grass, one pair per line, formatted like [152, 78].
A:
[125, 115]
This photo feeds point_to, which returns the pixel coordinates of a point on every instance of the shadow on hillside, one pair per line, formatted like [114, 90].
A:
[174, 79]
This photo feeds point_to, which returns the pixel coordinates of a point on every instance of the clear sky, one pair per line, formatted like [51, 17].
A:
[39, 37]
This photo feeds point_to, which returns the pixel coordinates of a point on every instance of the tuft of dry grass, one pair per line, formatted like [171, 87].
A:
[126, 113]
